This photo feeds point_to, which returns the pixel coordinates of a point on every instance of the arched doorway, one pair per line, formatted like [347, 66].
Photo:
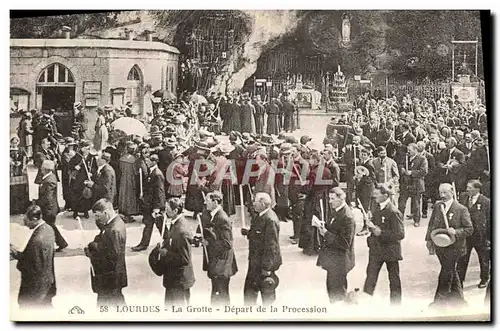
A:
[133, 93]
[55, 89]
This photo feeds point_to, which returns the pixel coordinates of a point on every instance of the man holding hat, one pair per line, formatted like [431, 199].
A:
[264, 257]
[451, 219]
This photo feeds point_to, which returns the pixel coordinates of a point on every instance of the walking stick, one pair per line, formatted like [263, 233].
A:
[79, 221]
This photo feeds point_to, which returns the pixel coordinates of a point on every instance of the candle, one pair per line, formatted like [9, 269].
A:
[385, 173]
[406, 162]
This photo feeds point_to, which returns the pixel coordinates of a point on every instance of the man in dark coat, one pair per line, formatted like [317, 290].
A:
[402, 141]
[219, 260]
[47, 200]
[107, 255]
[319, 181]
[451, 164]
[172, 259]
[387, 231]
[336, 254]
[480, 214]
[288, 109]
[264, 256]
[153, 201]
[449, 290]
[412, 182]
[104, 184]
[36, 263]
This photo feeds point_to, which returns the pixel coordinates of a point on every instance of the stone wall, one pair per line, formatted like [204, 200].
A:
[110, 66]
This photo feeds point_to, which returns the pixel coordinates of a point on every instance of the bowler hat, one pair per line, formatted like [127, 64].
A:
[269, 283]
[285, 148]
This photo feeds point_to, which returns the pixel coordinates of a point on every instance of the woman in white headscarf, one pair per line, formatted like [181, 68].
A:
[101, 132]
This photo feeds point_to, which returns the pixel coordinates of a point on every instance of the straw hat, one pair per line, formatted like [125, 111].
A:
[441, 238]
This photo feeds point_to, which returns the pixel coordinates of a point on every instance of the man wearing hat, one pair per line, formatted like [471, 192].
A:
[68, 173]
[165, 156]
[104, 184]
[85, 165]
[153, 200]
[259, 114]
[387, 230]
[264, 257]
[25, 133]
[81, 119]
[453, 220]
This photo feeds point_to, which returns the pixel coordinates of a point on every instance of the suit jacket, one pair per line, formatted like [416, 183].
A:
[403, 149]
[337, 248]
[108, 257]
[219, 234]
[477, 164]
[459, 219]
[36, 264]
[154, 190]
[105, 184]
[416, 181]
[387, 246]
[263, 237]
[334, 171]
[480, 215]
[165, 158]
[47, 196]
[176, 265]
[456, 173]
[387, 169]
[467, 150]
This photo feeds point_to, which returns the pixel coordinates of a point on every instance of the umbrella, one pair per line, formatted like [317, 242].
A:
[130, 126]
[199, 99]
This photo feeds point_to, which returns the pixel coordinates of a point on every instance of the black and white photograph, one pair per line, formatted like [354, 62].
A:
[250, 165]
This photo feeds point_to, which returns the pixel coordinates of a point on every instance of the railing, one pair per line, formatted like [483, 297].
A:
[435, 91]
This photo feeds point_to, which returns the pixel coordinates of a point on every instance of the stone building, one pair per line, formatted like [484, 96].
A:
[54, 73]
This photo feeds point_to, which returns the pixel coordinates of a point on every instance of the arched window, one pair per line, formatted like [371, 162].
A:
[134, 74]
[134, 92]
[56, 73]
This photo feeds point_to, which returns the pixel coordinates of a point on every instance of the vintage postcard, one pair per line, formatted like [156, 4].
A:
[250, 165]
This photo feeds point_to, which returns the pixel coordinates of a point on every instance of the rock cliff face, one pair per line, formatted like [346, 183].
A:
[378, 40]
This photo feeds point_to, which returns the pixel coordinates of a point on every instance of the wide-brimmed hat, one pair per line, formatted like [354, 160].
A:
[269, 283]
[170, 142]
[277, 140]
[441, 238]
[285, 148]
[69, 141]
[361, 170]
[266, 140]
[224, 148]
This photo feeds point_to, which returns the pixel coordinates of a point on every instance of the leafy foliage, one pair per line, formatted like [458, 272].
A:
[50, 26]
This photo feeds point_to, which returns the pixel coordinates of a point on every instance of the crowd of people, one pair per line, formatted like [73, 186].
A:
[210, 158]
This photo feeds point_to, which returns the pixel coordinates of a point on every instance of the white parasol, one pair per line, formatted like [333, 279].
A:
[130, 126]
